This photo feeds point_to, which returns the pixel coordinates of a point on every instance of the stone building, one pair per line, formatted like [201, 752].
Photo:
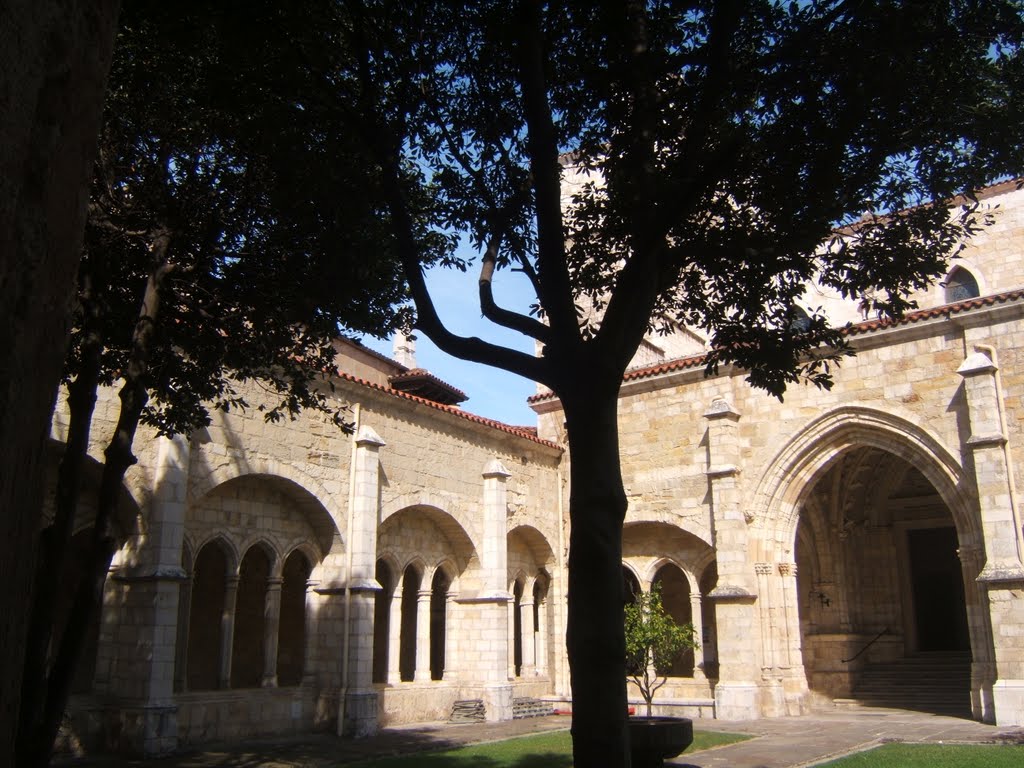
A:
[288, 577]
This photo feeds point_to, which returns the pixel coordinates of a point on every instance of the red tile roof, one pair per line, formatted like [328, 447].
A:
[528, 433]
[858, 329]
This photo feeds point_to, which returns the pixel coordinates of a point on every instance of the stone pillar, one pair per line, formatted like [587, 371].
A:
[422, 636]
[529, 632]
[360, 706]
[489, 608]
[227, 631]
[395, 638]
[1003, 574]
[698, 632]
[736, 694]
[271, 632]
[142, 685]
[511, 638]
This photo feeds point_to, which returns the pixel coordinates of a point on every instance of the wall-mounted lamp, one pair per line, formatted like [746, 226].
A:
[824, 599]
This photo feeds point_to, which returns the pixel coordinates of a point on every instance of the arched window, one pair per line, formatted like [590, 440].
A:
[438, 621]
[209, 580]
[709, 641]
[382, 621]
[675, 598]
[291, 639]
[407, 643]
[250, 609]
[630, 585]
[961, 285]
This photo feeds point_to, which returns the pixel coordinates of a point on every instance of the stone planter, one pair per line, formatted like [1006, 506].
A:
[652, 739]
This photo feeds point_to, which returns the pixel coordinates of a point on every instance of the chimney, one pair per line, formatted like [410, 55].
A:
[404, 350]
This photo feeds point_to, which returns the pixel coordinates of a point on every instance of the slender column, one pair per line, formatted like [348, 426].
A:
[511, 640]
[451, 659]
[542, 638]
[791, 633]
[422, 636]
[529, 632]
[271, 632]
[698, 631]
[395, 638]
[227, 631]
[764, 601]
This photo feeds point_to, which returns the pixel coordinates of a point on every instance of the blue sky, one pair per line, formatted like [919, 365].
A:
[493, 393]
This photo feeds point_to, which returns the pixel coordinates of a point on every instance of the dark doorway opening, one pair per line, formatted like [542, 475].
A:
[938, 590]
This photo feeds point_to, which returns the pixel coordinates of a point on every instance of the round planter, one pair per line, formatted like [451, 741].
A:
[652, 739]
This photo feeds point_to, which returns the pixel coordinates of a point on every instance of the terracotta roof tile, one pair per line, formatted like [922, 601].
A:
[527, 433]
[868, 326]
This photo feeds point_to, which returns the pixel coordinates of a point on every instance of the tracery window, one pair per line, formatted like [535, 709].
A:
[961, 285]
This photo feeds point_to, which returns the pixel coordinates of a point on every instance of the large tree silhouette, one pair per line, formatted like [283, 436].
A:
[724, 153]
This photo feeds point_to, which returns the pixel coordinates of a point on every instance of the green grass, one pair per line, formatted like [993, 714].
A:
[546, 750]
[935, 756]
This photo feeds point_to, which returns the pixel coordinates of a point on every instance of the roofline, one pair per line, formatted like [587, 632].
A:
[450, 409]
[858, 329]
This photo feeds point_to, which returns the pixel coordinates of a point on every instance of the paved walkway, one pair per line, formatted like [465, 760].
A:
[789, 742]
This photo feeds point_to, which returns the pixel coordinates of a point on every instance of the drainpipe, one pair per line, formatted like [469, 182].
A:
[562, 578]
[1011, 484]
[346, 624]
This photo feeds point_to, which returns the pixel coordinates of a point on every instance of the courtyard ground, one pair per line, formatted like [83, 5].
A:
[788, 742]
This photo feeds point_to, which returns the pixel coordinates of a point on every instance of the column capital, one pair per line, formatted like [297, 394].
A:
[721, 408]
[367, 438]
[495, 469]
[975, 364]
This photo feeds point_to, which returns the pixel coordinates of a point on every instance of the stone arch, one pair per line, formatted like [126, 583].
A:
[215, 563]
[793, 471]
[292, 638]
[299, 485]
[689, 573]
[249, 635]
[445, 533]
[412, 582]
[637, 514]
[431, 503]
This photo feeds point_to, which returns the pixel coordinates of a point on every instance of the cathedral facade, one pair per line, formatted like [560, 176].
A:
[289, 577]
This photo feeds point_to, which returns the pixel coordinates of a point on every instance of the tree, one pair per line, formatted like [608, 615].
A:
[233, 232]
[726, 152]
[653, 640]
[54, 58]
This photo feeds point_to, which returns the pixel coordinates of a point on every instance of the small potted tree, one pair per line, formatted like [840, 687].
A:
[653, 640]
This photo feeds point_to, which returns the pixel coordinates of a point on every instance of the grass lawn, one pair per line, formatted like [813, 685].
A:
[935, 756]
[546, 750]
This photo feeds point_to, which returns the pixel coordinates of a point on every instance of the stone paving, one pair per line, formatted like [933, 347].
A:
[788, 742]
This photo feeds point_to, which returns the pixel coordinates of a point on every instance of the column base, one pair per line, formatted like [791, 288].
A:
[1008, 701]
[498, 702]
[360, 714]
[736, 701]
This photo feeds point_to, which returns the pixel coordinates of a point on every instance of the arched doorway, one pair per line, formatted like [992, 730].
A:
[881, 586]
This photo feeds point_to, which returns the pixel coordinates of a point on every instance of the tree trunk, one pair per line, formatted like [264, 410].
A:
[54, 59]
[34, 751]
[595, 637]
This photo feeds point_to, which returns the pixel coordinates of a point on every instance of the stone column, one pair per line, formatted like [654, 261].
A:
[698, 632]
[360, 706]
[790, 655]
[487, 663]
[541, 648]
[227, 631]
[395, 638]
[271, 632]
[736, 694]
[1003, 574]
[529, 631]
[142, 684]
[511, 639]
[422, 636]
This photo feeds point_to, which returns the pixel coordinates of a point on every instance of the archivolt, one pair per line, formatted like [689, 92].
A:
[791, 474]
